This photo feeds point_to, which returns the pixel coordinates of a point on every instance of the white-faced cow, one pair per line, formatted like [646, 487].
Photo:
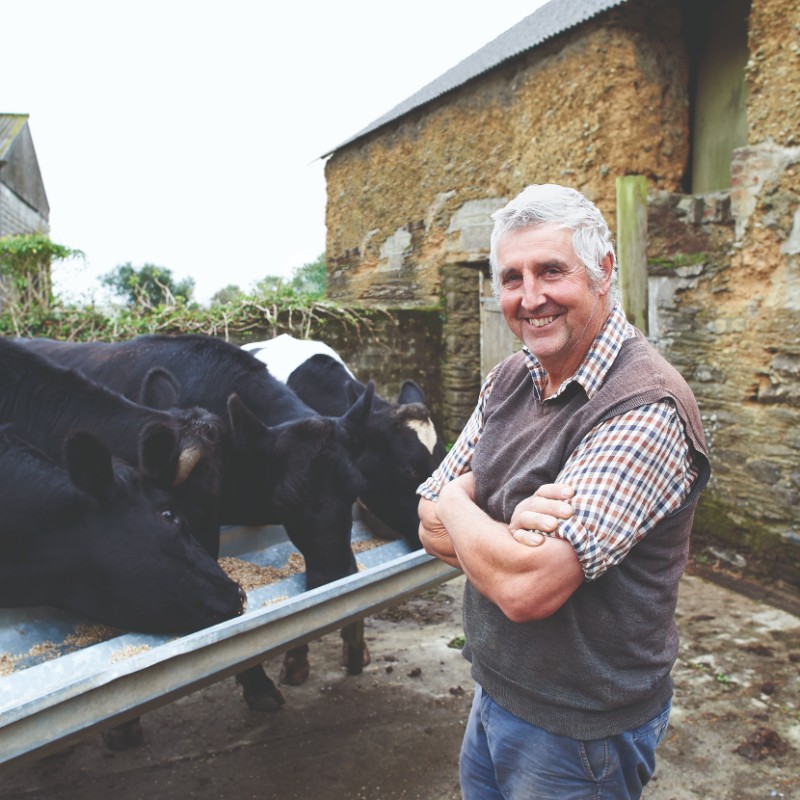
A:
[401, 446]
[93, 538]
[284, 463]
[46, 403]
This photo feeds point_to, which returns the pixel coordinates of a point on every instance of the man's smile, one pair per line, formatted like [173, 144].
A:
[540, 322]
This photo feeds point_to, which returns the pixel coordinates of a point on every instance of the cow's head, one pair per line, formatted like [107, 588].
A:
[402, 450]
[110, 546]
[196, 463]
[307, 480]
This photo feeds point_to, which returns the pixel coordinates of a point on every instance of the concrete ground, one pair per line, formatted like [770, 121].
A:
[394, 731]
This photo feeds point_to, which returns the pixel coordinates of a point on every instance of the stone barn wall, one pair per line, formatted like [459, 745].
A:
[725, 297]
[729, 314]
[406, 199]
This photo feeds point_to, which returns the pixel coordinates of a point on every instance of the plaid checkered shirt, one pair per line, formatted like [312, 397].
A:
[628, 473]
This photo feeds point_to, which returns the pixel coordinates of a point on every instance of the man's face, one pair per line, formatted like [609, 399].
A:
[546, 298]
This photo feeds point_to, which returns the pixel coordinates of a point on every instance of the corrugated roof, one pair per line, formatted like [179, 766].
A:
[10, 126]
[546, 22]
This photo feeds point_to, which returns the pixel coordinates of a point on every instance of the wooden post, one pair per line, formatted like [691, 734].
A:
[632, 247]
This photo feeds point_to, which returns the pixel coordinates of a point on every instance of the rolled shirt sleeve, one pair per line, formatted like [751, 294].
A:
[629, 473]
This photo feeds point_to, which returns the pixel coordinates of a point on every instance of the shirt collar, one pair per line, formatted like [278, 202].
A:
[592, 370]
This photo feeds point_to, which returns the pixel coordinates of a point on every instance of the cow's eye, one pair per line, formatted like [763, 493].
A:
[212, 433]
[172, 517]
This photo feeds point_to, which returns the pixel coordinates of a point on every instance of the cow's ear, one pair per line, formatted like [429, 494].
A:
[159, 452]
[353, 390]
[358, 414]
[246, 428]
[159, 389]
[410, 393]
[88, 463]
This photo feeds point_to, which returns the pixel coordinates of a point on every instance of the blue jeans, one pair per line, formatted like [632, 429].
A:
[506, 758]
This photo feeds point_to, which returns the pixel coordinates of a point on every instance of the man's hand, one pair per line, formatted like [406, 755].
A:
[539, 514]
[433, 535]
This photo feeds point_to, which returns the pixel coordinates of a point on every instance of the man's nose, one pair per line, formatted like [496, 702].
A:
[532, 292]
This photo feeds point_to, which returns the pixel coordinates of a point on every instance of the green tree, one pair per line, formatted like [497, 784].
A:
[311, 279]
[149, 286]
[308, 282]
[271, 284]
[229, 294]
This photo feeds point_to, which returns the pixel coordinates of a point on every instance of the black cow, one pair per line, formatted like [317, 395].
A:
[401, 446]
[284, 463]
[46, 403]
[94, 538]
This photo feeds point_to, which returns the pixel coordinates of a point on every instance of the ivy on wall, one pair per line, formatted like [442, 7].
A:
[26, 290]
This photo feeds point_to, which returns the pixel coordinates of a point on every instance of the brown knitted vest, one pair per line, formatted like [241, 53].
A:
[601, 664]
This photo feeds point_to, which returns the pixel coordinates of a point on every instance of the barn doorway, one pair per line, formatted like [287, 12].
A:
[718, 43]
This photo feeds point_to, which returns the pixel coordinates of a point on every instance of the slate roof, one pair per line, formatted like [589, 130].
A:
[546, 22]
[10, 126]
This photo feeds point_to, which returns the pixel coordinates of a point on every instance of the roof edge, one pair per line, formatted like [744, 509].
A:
[10, 127]
[547, 22]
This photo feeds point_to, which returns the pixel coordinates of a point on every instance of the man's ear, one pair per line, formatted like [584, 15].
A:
[607, 266]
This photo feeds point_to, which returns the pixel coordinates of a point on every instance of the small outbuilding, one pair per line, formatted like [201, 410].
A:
[23, 201]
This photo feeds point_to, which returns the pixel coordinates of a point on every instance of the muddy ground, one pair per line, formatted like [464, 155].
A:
[394, 731]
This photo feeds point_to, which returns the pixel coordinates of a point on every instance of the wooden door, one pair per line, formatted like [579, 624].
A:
[497, 341]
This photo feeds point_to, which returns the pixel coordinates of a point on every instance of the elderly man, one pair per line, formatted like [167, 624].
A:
[571, 635]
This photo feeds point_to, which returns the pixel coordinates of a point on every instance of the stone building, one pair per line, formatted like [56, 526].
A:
[23, 202]
[703, 100]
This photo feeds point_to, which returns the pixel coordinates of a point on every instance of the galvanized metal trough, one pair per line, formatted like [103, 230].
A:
[59, 691]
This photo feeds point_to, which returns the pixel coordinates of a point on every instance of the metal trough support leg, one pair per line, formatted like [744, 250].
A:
[355, 655]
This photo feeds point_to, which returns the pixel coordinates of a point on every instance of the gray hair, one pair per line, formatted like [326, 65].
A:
[549, 203]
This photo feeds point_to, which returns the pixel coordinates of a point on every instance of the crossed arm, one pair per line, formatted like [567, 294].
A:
[528, 575]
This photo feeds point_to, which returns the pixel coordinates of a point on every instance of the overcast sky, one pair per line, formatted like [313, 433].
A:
[188, 134]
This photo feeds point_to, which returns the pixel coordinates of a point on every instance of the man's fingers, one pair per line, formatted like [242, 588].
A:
[542, 509]
[555, 491]
[529, 537]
